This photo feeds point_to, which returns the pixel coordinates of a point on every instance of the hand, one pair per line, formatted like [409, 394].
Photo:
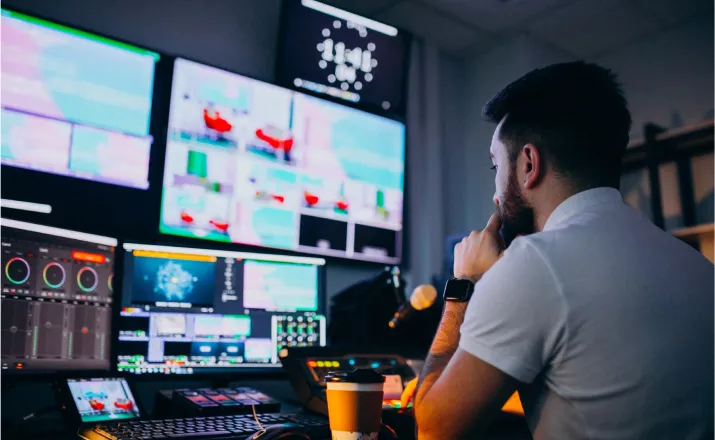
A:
[408, 394]
[478, 252]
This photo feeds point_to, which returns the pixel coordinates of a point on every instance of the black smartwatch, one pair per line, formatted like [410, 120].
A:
[458, 290]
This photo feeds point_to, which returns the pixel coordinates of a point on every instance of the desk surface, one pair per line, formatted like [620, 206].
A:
[26, 398]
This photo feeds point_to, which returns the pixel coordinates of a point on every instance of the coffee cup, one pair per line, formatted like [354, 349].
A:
[355, 404]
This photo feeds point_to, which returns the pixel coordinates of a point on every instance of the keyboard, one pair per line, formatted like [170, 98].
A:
[236, 427]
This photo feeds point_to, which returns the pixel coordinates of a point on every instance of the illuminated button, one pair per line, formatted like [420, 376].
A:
[336, 364]
[312, 364]
[321, 364]
[351, 361]
[375, 365]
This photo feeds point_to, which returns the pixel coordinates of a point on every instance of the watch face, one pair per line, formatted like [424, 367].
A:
[458, 290]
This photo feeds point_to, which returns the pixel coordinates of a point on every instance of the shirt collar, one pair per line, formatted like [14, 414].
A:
[582, 201]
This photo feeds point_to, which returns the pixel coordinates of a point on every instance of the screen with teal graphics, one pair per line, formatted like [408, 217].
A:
[74, 103]
[253, 163]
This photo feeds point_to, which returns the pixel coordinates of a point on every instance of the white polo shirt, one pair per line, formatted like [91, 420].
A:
[606, 320]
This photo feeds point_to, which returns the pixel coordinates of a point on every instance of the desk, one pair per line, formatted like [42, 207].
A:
[25, 398]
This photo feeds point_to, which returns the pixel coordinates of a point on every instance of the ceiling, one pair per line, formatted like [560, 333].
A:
[585, 28]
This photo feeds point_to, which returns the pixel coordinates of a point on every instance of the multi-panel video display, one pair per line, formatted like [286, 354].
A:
[74, 103]
[252, 163]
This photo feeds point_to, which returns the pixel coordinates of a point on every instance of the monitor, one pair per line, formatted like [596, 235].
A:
[189, 311]
[74, 103]
[56, 299]
[252, 163]
[332, 52]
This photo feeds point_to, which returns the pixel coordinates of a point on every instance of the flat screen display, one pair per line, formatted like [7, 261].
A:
[74, 103]
[103, 399]
[187, 311]
[56, 299]
[333, 52]
[252, 163]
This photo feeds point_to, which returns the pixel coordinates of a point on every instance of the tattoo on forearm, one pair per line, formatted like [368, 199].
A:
[443, 348]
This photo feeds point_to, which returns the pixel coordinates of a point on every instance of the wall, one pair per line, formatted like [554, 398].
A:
[668, 77]
[453, 107]
[669, 81]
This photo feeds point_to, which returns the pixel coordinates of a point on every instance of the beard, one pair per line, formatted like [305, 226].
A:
[517, 216]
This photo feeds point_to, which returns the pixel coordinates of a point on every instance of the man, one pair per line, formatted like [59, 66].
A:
[600, 320]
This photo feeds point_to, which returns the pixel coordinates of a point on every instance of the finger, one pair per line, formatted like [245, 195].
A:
[493, 224]
[408, 393]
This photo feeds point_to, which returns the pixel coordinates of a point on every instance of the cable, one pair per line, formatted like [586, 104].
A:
[255, 417]
[39, 412]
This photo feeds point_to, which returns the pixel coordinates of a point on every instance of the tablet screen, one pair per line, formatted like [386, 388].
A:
[99, 400]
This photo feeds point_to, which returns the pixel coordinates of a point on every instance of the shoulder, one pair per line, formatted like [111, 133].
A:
[530, 253]
[525, 272]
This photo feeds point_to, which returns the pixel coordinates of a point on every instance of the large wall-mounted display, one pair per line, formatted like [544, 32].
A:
[75, 103]
[332, 52]
[252, 163]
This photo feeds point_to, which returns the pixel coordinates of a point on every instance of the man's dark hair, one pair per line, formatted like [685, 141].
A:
[574, 113]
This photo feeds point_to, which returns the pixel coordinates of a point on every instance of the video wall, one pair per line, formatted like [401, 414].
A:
[87, 123]
[244, 161]
[252, 163]
[74, 103]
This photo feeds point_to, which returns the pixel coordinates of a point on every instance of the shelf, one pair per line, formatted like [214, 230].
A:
[694, 231]
[690, 140]
[686, 130]
[704, 235]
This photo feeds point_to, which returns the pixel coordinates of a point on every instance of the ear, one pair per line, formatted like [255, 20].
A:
[533, 166]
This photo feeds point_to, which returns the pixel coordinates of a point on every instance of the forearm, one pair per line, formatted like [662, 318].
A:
[443, 347]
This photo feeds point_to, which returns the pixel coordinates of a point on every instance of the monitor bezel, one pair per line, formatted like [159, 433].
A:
[222, 375]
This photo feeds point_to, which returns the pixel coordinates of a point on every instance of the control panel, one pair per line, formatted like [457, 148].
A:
[296, 331]
[213, 401]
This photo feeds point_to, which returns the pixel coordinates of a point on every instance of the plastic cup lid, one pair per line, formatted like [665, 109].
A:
[360, 375]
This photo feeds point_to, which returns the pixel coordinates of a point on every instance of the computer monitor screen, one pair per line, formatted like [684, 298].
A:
[56, 298]
[74, 103]
[252, 163]
[333, 52]
[190, 311]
